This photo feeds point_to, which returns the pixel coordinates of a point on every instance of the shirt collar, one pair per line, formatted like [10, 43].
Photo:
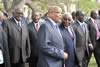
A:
[80, 22]
[17, 21]
[92, 20]
[54, 23]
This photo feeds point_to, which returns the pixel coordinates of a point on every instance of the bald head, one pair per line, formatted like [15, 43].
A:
[54, 12]
[54, 9]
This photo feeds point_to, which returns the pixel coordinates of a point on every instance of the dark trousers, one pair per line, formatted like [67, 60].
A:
[90, 54]
[19, 64]
[97, 52]
[1, 65]
[33, 62]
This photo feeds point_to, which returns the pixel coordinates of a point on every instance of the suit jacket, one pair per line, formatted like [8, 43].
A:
[82, 40]
[51, 46]
[18, 40]
[4, 47]
[70, 46]
[92, 31]
[34, 42]
[97, 48]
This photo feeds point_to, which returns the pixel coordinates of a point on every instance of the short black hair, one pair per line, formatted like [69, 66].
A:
[99, 12]
[78, 13]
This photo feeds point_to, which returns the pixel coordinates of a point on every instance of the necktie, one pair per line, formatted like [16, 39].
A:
[83, 27]
[37, 27]
[19, 26]
[69, 31]
[96, 27]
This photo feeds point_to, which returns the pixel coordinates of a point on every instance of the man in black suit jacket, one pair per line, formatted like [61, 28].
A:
[97, 48]
[34, 41]
[82, 39]
[18, 39]
[4, 49]
[92, 31]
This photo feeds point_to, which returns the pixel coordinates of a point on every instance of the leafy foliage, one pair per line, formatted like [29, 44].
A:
[87, 6]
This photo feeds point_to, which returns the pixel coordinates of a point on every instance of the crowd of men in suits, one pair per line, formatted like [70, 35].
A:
[61, 40]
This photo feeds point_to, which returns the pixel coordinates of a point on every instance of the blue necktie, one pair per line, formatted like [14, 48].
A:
[83, 27]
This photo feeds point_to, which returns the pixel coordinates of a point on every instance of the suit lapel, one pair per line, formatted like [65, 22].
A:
[80, 28]
[15, 25]
[33, 29]
[74, 37]
[55, 31]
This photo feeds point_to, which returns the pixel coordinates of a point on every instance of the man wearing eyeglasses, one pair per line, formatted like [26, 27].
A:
[18, 39]
[69, 39]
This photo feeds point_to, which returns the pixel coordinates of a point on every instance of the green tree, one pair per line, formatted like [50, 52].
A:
[87, 6]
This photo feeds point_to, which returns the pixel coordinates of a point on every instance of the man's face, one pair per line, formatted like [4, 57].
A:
[81, 17]
[66, 20]
[56, 15]
[36, 17]
[95, 16]
[18, 14]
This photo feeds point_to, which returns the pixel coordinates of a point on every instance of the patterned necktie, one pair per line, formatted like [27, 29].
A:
[37, 27]
[96, 27]
[69, 31]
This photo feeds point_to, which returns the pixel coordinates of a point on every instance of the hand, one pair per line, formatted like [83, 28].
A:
[27, 56]
[65, 56]
[91, 47]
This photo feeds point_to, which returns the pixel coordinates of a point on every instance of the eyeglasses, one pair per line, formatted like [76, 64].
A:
[67, 19]
[19, 13]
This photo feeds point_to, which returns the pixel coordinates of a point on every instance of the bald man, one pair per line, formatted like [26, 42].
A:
[51, 53]
[69, 39]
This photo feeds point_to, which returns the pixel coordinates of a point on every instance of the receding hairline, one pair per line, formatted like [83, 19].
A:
[67, 14]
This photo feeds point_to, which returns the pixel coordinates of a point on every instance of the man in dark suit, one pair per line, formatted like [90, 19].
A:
[97, 48]
[92, 31]
[69, 40]
[4, 53]
[18, 39]
[34, 41]
[51, 51]
[82, 39]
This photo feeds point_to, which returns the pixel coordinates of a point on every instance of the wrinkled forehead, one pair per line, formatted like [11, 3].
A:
[19, 10]
[54, 9]
[67, 15]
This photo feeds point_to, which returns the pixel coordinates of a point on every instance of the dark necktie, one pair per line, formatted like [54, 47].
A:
[19, 27]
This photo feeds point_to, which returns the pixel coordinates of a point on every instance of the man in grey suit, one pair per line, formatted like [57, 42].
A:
[82, 39]
[51, 43]
[18, 39]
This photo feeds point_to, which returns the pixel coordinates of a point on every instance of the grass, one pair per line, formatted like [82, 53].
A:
[92, 62]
